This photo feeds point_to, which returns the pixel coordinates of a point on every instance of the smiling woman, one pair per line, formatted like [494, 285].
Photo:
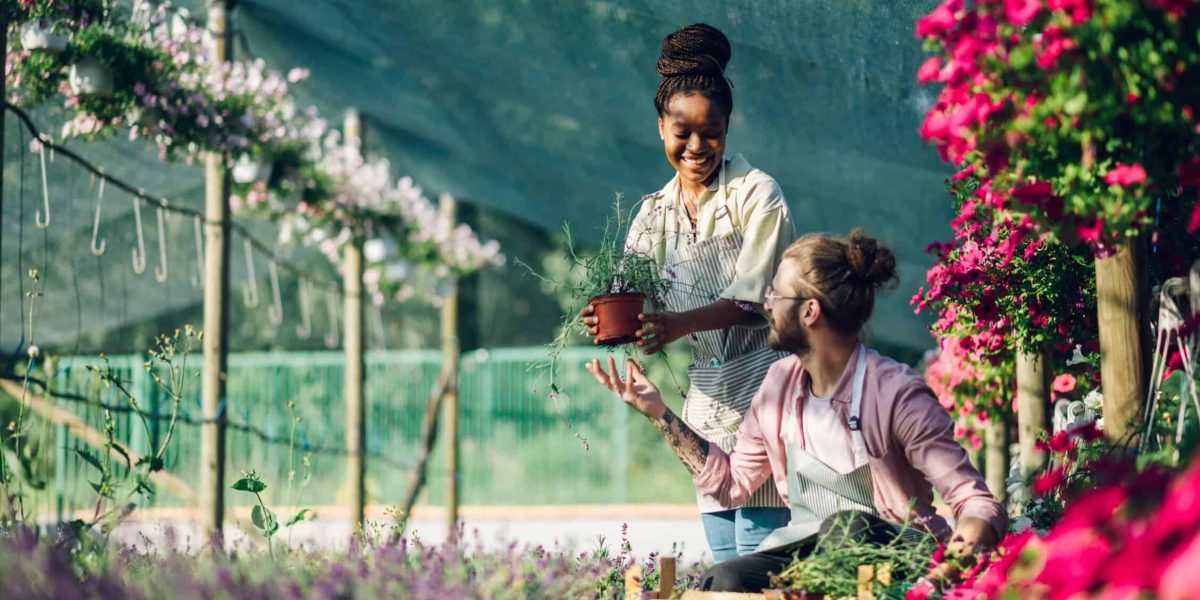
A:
[717, 230]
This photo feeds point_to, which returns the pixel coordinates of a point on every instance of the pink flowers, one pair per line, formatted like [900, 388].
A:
[1125, 175]
[1064, 384]
[940, 20]
[1020, 12]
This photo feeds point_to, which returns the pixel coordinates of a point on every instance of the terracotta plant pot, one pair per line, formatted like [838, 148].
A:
[617, 317]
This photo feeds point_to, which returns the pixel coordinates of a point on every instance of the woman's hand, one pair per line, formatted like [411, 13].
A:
[971, 537]
[590, 321]
[637, 391]
[660, 329]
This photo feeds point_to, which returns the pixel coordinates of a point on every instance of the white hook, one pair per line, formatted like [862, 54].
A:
[331, 336]
[98, 249]
[139, 253]
[304, 329]
[160, 272]
[198, 278]
[42, 220]
[275, 312]
[250, 292]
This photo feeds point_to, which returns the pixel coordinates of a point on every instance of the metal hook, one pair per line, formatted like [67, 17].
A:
[42, 220]
[331, 336]
[198, 277]
[160, 272]
[275, 312]
[304, 329]
[98, 249]
[250, 292]
[139, 253]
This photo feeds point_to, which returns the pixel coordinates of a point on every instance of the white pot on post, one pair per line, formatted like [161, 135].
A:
[249, 169]
[37, 36]
[90, 77]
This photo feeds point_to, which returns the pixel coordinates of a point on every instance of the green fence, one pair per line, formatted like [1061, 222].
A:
[517, 446]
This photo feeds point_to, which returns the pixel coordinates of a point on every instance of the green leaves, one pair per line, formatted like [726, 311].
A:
[250, 483]
[305, 514]
[264, 519]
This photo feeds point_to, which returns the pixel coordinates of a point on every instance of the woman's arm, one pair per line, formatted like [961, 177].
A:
[662, 328]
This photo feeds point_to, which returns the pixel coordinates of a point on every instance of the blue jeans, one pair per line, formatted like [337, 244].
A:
[737, 532]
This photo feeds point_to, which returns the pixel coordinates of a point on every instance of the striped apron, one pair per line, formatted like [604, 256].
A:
[728, 365]
[816, 491]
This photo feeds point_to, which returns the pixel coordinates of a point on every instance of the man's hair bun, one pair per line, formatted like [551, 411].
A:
[870, 262]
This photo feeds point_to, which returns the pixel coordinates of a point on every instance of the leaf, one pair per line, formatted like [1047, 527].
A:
[122, 452]
[1076, 104]
[89, 458]
[249, 484]
[264, 519]
[155, 462]
[305, 514]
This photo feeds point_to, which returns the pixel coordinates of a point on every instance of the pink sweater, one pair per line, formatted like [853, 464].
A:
[909, 439]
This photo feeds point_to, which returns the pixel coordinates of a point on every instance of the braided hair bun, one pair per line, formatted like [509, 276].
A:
[693, 61]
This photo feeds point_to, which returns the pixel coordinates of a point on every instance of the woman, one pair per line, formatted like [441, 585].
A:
[718, 230]
[854, 440]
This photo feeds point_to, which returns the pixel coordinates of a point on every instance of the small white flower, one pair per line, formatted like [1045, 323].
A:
[33, 351]
[1022, 525]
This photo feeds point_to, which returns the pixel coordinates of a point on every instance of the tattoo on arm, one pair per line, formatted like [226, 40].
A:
[687, 444]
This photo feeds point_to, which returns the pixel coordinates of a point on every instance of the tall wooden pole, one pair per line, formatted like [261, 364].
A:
[1033, 406]
[450, 353]
[3, 121]
[352, 273]
[1120, 309]
[997, 457]
[216, 309]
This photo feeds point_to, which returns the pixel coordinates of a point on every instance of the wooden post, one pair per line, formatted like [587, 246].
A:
[1120, 310]
[3, 121]
[1033, 406]
[216, 310]
[450, 363]
[354, 379]
[997, 458]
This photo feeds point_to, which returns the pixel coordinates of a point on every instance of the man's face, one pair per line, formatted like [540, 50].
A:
[788, 332]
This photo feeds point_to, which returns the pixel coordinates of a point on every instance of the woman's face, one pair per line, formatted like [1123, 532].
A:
[693, 133]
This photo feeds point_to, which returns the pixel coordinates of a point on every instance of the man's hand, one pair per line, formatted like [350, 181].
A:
[971, 537]
[659, 329]
[637, 391]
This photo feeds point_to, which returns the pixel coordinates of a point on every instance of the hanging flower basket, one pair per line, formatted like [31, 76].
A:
[617, 317]
[37, 36]
[90, 77]
[249, 169]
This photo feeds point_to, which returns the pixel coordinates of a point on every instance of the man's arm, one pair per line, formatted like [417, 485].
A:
[691, 449]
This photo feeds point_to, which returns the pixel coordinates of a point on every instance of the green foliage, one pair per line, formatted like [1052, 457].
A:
[832, 568]
[610, 269]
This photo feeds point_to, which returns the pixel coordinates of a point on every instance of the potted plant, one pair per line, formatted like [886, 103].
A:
[39, 35]
[617, 283]
[248, 169]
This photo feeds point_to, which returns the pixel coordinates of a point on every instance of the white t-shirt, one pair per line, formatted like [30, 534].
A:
[825, 437]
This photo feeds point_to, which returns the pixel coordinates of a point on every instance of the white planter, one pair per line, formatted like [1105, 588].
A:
[36, 36]
[90, 77]
[250, 170]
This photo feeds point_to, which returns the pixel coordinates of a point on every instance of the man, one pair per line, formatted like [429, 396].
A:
[847, 434]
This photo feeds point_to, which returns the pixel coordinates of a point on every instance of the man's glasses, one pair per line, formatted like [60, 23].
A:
[771, 296]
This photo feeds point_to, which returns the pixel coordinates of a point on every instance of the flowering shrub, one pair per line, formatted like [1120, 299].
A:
[1133, 534]
[999, 287]
[1076, 113]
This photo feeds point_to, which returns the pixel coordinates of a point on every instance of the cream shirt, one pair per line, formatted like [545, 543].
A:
[757, 209]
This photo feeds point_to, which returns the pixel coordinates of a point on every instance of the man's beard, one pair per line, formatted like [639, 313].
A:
[790, 336]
